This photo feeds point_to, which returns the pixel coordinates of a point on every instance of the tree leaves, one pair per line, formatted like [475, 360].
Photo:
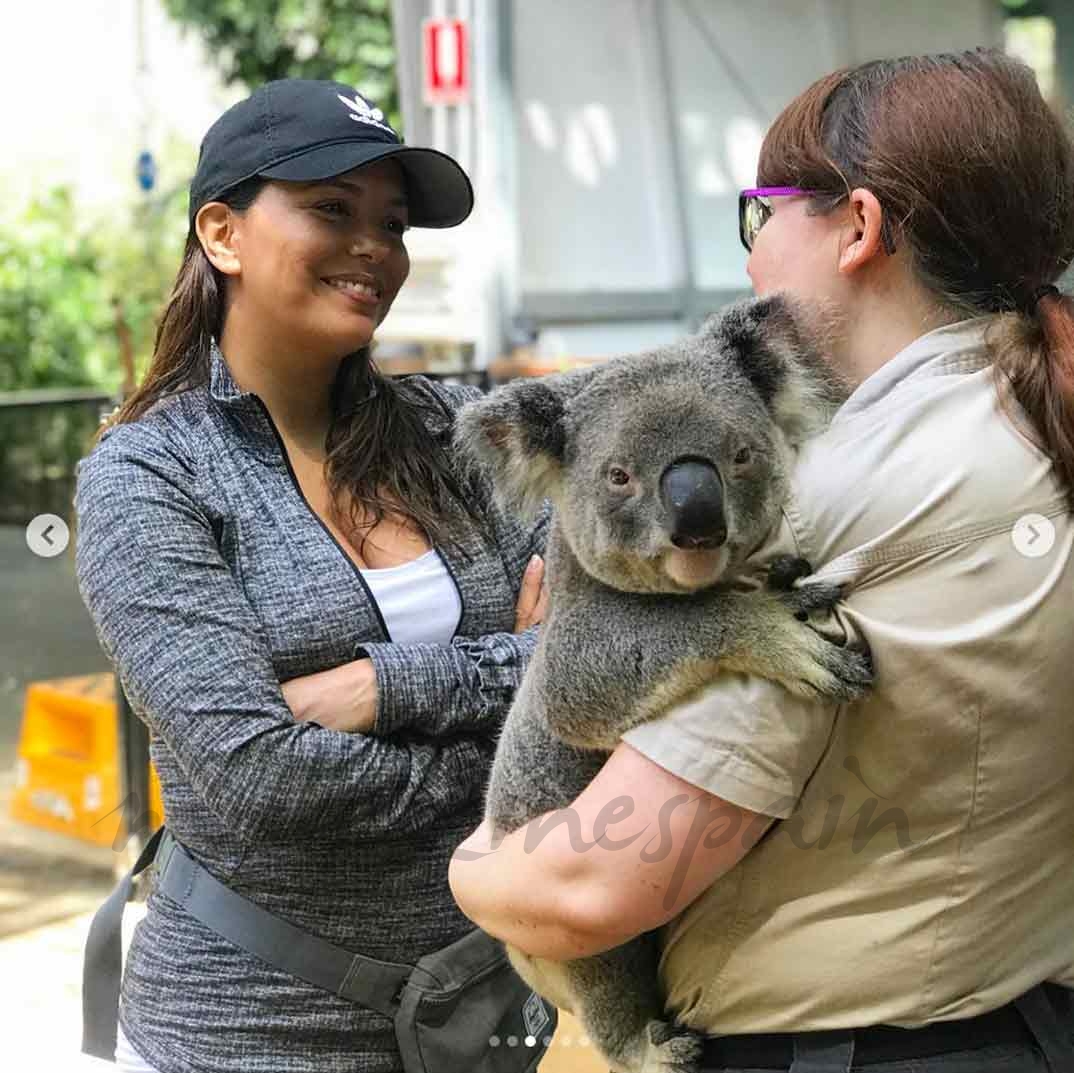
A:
[256, 41]
[60, 279]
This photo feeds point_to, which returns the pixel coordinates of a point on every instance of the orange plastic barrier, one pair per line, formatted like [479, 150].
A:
[68, 761]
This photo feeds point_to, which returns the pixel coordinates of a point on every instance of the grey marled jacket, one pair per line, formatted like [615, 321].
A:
[210, 581]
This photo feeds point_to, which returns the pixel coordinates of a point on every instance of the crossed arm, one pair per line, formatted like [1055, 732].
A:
[347, 697]
[192, 658]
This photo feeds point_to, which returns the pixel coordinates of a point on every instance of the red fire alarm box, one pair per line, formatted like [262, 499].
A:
[446, 61]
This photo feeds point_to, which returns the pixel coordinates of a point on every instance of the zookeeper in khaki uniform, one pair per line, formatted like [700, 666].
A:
[888, 884]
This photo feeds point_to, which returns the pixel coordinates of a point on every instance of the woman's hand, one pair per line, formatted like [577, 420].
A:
[344, 698]
[532, 597]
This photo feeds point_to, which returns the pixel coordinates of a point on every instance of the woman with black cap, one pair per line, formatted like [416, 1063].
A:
[320, 617]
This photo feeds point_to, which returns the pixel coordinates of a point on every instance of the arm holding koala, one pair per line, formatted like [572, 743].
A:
[644, 840]
[584, 880]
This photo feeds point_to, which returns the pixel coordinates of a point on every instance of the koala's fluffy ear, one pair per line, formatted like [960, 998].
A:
[517, 432]
[778, 344]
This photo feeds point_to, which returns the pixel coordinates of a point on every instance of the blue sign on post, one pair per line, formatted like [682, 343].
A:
[147, 170]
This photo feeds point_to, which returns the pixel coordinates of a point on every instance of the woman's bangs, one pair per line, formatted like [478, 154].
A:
[793, 152]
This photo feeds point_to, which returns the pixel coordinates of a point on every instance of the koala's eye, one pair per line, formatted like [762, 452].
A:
[743, 456]
[618, 476]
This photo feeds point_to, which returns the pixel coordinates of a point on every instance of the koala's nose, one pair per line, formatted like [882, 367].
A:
[692, 492]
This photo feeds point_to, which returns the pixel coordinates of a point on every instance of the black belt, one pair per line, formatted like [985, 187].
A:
[883, 1043]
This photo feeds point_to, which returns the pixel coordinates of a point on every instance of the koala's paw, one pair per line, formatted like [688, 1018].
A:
[671, 1048]
[850, 675]
[819, 667]
[785, 570]
[818, 597]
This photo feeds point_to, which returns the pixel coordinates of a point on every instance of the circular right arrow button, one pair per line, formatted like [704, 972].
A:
[1033, 536]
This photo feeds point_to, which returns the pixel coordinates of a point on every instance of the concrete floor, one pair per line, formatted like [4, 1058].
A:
[48, 884]
[41, 996]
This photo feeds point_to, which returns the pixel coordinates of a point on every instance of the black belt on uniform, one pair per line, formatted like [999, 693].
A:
[885, 1043]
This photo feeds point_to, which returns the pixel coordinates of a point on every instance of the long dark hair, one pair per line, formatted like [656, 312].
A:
[378, 447]
[975, 175]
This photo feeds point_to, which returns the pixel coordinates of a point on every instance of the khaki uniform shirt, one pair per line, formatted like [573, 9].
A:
[923, 868]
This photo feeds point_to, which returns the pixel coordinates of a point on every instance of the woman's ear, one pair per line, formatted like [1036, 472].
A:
[864, 238]
[215, 225]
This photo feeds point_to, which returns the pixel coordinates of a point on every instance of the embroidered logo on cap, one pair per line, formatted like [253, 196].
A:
[362, 113]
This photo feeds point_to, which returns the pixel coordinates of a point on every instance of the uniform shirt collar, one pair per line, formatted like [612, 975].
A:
[958, 347]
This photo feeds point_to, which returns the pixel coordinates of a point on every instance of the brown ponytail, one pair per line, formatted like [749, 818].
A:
[975, 174]
[1034, 367]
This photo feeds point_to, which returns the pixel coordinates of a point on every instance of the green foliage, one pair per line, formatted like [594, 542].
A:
[1024, 7]
[62, 283]
[255, 41]
[53, 305]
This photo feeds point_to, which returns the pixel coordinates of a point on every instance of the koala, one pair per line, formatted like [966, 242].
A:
[665, 470]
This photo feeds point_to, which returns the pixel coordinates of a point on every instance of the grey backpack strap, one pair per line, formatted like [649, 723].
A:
[364, 981]
[102, 968]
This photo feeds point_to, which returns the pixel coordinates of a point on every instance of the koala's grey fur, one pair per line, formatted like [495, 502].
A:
[636, 624]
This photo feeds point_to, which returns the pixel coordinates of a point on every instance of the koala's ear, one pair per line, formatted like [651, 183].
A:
[778, 345]
[517, 433]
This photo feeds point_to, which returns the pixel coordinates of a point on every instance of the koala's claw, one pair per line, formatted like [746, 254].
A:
[671, 1049]
[842, 674]
[785, 570]
[818, 596]
[803, 659]
[851, 673]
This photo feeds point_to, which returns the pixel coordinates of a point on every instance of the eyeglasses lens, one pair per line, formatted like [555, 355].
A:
[755, 213]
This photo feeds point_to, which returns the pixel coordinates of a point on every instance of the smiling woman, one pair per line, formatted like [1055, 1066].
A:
[312, 269]
[319, 613]
[290, 239]
[317, 263]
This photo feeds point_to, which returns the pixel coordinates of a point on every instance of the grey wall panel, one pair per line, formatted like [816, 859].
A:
[595, 186]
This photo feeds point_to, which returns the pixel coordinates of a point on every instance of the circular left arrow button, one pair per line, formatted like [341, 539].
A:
[47, 535]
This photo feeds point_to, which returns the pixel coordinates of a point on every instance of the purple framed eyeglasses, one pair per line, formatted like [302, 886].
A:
[754, 209]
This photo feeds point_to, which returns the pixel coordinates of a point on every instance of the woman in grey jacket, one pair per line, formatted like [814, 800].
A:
[321, 618]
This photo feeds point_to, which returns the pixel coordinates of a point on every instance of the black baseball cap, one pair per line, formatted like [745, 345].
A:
[305, 130]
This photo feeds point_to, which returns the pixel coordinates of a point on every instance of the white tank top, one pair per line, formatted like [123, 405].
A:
[418, 600]
[128, 1060]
